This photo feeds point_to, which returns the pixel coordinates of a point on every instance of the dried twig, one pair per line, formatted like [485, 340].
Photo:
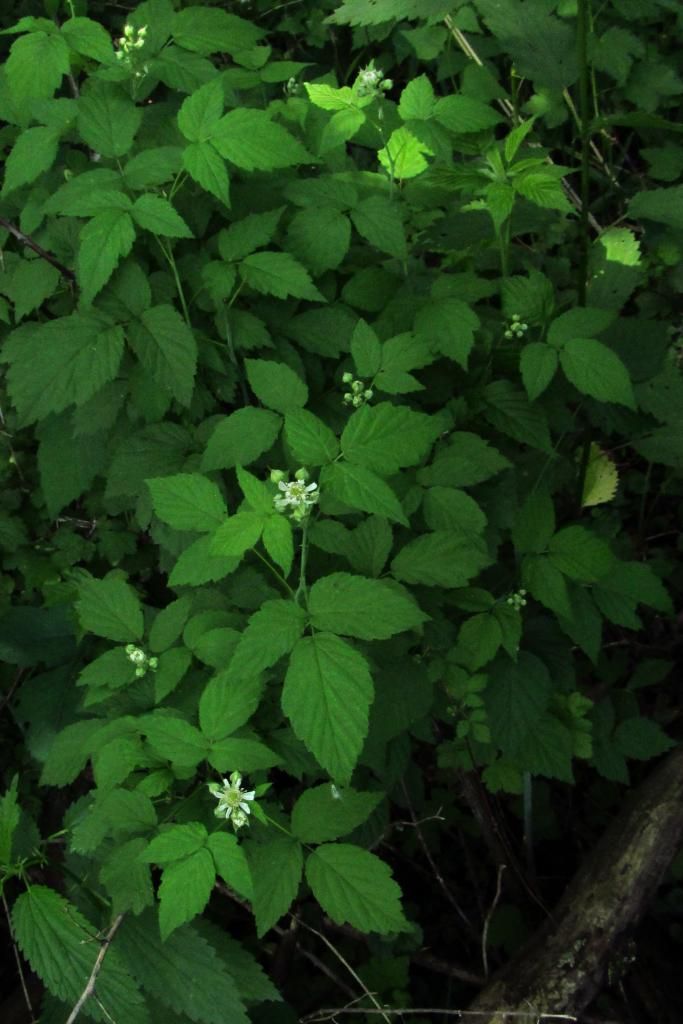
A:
[97, 967]
[530, 1016]
[22, 979]
[487, 920]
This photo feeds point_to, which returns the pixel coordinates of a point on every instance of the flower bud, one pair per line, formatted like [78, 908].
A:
[276, 475]
[347, 377]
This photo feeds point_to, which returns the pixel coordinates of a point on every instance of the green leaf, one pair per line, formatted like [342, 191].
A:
[463, 114]
[379, 222]
[165, 346]
[363, 608]
[198, 565]
[231, 863]
[326, 696]
[228, 701]
[441, 559]
[445, 508]
[126, 880]
[184, 973]
[151, 167]
[641, 739]
[548, 750]
[241, 437]
[209, 30]
[276, 385]
[255, 492]
[271, 633]
[245, 236]
[538, 365]
[581, 322]
[188, 501]
[32, 282]
[175, 843]
[360, 489]
[478, 640]
[278, 540]
[89, 38]
[250, 755]
[534, 523]
[103, 242]
[200, 112]
[385, 438]
[319, 238]
[355, 887]
[67, 470]
[276, 869]
[31, 155]
[169, 624]
[206, 167]
[174, 740]
[110, 608]
[417, 100]
[543, 190]
[662, 205]
[516, 698]
[10, 814]
[597, 371]
[36, 65]
[237, 534]
[545, 582]
[326, 812]
[365, 349]
[108, 120]
[311, 441]
[250, 140]
[185, 890]
[54, 936]
[68, 753]
[253, 984]
[155, 214]
[278, 274]
[466, 461]
[449, 325]
[579, 554]
[404, 155]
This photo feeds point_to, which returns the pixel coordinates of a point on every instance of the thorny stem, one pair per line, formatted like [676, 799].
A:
[275, 573]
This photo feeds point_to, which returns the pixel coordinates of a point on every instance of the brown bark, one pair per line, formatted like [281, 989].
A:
[563, 967]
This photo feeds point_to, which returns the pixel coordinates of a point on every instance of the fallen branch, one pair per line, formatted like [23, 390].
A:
[563, 967]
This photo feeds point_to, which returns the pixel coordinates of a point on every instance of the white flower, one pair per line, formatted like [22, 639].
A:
[296, 496]
[233, 801]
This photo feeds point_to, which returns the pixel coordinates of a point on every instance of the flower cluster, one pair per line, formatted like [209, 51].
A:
[233, 801]
[516, 329]
[296, 496]
[359, 393]
[371, 82]
[517, 600]
[131, 40]
[142, 663]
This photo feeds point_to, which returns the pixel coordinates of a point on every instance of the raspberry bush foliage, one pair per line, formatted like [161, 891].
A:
[341, 432]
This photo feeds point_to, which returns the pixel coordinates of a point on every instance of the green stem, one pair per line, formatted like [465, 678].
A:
[301, 589]
[582, 31]
[170, 259]
[275, 573]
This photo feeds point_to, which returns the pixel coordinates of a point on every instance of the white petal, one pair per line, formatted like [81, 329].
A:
[249, 796]
[246, 808]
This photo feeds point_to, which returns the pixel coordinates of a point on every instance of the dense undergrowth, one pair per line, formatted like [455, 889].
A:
[342, 436]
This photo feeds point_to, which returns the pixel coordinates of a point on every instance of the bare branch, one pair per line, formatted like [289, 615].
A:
[38, 249]
[97, 967]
